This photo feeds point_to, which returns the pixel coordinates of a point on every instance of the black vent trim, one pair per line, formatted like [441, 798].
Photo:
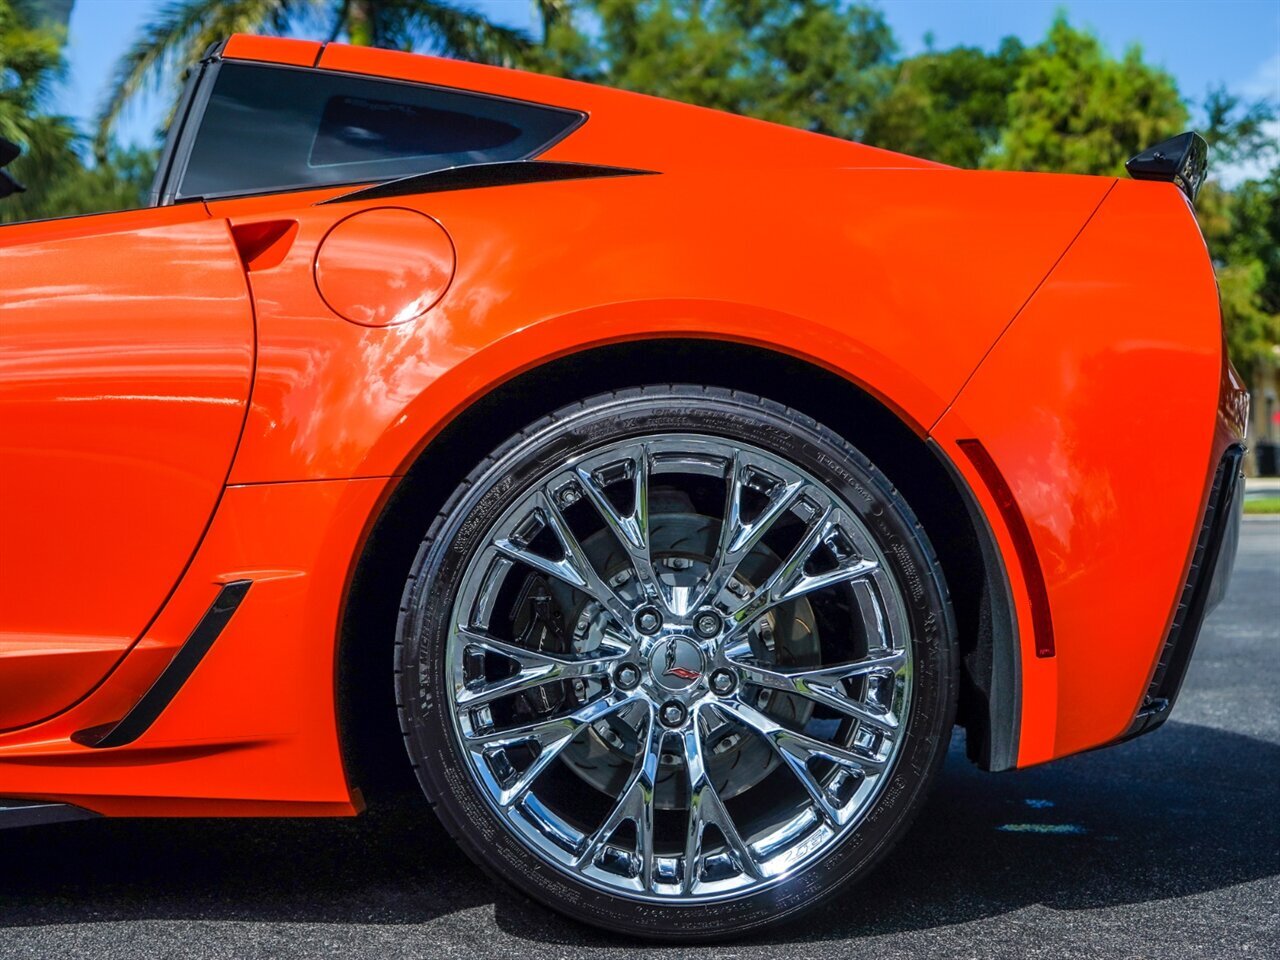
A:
[144, 713]
[1195, 601]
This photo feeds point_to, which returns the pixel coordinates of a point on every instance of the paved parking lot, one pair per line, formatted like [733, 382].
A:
[1165, 847]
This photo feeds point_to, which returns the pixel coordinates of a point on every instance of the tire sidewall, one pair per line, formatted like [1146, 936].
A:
[461, 531]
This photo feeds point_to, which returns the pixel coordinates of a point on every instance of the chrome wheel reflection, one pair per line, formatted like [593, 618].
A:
[679, 668]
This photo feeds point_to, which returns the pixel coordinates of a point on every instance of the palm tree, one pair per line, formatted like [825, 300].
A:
[31, 65]
[550, 13]
[184, 29]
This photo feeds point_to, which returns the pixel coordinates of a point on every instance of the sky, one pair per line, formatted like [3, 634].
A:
[1203, 43]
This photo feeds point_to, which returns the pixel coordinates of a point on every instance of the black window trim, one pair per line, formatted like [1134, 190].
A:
[177, 150]
[196, 101]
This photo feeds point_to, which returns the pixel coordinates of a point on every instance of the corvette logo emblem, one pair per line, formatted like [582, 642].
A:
[684, 673]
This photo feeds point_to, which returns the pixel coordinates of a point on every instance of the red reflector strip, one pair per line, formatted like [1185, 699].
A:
[1032, 575]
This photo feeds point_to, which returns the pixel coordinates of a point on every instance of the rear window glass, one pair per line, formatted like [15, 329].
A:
[270, 128]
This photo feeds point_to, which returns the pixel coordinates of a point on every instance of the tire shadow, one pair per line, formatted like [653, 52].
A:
[1187, 810]
[392, 865]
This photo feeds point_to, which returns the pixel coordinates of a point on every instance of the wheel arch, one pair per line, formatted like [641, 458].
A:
[989, 703]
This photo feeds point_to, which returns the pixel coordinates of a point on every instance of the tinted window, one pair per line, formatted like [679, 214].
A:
[270, 128]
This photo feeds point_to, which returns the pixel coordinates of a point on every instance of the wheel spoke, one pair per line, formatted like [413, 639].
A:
[635, 804]
[550, 737]
[826, 685]
[707, 809]
[790, 580]
[574, 568]
[869, 604]
[630, 529]
[535, 668]
[738, 537]
[797, 749]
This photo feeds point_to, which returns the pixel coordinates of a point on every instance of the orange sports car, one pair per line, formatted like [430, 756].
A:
[669, 484]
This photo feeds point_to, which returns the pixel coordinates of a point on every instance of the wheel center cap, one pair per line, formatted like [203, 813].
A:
[676, 663]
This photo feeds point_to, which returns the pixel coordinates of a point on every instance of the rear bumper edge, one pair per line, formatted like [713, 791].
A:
[1206, 584]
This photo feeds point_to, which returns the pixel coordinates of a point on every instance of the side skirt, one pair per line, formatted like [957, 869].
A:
[34, 813]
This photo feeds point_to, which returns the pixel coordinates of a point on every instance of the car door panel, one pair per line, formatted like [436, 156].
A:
[126, 358]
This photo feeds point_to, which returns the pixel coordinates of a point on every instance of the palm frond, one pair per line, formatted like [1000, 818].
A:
[177, 37]
[551, 12]
[442, 28]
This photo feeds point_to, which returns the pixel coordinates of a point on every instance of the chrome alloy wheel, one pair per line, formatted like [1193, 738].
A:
[678, 668]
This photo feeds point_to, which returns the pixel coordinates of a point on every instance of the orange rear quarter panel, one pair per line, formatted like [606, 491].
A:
[1099, 407]
[975, 305]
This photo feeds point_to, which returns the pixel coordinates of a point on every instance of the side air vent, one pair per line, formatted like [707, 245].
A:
[144, 713]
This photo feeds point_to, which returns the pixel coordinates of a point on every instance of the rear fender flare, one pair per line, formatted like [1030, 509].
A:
[530, 346]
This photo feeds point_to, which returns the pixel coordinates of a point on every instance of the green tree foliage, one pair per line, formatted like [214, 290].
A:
[1242, 228]
[119, 181]
[1238, 130]
[814, 64]
[31, 65]
[1252, 330]
[1075, 109]
[59, 183]
[951, 106]
[184, 29]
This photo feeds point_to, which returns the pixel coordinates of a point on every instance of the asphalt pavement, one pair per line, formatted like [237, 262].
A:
[1165, 847]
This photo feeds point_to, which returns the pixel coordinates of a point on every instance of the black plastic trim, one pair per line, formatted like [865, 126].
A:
[36, 813]
[1182, 160]
[179, 670]
[1002, 682]
[190, 111]
[200, 99]
[473, 176]
[1203, 586]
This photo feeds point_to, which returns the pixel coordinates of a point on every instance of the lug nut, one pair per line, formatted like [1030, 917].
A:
[672, 713]
[722, 682]
[627, 676]
[707, 624]
[648, 621]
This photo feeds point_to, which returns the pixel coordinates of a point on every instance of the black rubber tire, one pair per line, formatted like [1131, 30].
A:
[460, 528]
